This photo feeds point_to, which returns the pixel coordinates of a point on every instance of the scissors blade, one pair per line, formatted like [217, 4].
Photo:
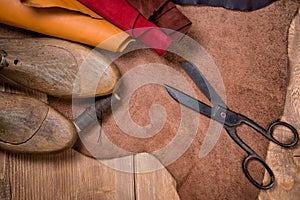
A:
[202, 83]
[189, 101]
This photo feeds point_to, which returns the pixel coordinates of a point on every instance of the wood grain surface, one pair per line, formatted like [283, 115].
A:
[286, 163]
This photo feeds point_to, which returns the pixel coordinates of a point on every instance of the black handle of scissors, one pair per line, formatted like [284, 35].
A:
[252, 157]
[269, 133]
[290, 127]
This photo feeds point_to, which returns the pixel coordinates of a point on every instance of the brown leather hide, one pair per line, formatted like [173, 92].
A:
[250, 50]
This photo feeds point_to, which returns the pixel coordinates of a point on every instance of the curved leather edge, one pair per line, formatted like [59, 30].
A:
[64, 24]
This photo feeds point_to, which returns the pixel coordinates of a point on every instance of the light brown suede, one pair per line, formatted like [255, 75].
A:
[250, 51]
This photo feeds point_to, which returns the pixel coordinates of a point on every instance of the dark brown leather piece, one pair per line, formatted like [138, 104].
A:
[164, 14]
[147, 8]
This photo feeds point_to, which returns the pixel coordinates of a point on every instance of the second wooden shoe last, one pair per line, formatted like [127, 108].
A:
[57, 67]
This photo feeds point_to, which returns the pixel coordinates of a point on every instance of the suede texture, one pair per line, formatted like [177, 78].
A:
[250, 51]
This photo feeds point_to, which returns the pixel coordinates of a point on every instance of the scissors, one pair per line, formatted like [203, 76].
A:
[230, 120]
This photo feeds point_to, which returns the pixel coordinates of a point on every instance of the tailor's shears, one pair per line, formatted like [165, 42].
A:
[230, 120]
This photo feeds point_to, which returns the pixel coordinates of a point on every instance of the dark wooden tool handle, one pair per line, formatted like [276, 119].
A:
[86, 119]
[93, 113]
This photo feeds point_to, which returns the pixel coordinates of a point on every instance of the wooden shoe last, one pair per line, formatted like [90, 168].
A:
[57, 67]
[31, 126]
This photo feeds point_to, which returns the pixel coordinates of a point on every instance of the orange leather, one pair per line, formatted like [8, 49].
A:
[64, 19]
[67, 4]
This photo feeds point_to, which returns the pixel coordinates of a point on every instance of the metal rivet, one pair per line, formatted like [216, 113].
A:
[223, 114]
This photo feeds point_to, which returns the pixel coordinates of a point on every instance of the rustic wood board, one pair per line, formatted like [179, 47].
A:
[69, 175]
[158, 184]
[66, 175]
[286, 163]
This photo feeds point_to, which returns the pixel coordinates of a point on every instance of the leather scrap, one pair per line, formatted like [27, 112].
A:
[244, 5]
[164, 14]
[126, 17]
[64, 19]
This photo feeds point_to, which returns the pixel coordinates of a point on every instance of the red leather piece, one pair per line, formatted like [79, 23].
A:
[126, 17]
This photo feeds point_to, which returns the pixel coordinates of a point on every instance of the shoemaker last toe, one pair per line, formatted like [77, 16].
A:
[31, 126]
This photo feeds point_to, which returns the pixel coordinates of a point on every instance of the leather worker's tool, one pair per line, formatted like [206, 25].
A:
[31, 126]
[230, 120]
[64, 19]
[57, 67]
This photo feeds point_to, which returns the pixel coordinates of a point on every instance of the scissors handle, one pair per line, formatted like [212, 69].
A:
[271, 129]
[269, 132]
[252, 157]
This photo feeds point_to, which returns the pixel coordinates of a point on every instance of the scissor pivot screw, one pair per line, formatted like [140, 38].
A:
[223, 115]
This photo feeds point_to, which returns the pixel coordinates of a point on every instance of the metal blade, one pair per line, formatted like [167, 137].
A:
[210, 139]
[202, 83]
[189, 101]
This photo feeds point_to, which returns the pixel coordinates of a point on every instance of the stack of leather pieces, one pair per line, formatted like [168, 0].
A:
[64, 19]
[126, 17]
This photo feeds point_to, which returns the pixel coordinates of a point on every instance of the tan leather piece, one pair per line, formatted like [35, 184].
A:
[71, 24]
[67, 4]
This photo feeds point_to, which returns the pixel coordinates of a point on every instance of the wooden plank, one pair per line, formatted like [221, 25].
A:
[4, 181]
[286, 163]
[152, 180]
[67, 175]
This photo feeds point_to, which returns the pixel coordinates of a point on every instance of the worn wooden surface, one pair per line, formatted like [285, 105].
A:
[69, 175]
[286, 163]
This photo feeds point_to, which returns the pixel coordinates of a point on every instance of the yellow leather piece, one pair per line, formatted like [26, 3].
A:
[65, 23]
[67, 4]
